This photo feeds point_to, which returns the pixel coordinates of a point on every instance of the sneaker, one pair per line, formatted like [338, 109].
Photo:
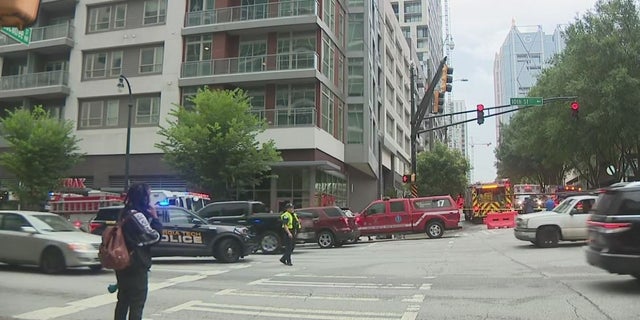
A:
[283, 262]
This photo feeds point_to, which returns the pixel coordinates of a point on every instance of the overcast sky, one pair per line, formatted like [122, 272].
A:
[479, 27]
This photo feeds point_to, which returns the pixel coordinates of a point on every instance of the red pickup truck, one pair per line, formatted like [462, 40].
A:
[432, 215]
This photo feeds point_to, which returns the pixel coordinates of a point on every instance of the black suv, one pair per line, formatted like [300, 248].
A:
[186, 234]
[614, 230]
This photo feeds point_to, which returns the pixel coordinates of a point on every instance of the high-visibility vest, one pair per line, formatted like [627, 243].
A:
[289, 219]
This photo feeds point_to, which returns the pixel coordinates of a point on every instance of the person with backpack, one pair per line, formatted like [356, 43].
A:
[290, 224]
[141, 229]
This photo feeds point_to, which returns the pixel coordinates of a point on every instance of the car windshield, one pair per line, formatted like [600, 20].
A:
[52, 224]
[562, 207]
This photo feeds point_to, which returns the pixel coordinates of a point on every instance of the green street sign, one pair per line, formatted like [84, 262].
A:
[22, 36]
[528, 101]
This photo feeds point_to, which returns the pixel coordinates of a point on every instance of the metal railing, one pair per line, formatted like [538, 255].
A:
[260, 63]
[291, 117]
[55, 31]
[252, 12]
[34, 80]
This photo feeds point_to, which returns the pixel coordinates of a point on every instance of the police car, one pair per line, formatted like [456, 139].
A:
[186, 234]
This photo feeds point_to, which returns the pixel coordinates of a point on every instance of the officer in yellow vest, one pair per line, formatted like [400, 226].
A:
[290, 224]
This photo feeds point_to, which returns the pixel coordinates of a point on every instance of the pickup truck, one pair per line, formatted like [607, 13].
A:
[265, 226]
[432, 215]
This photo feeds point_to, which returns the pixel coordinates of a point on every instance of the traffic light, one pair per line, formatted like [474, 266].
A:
[575, 108]
[406, 178]
[447, 79]
[438, 102]
[480, 113]
[18, 13]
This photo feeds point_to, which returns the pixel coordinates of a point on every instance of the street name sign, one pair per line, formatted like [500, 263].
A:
[528, 101]
[22, 36]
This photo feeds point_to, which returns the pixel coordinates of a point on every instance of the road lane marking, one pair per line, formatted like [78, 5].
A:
[316, 276]
[236, 292]
[425, 286]
[411, 313]
[269, 282]
[416, 298]
[107, 298]
[296, 313]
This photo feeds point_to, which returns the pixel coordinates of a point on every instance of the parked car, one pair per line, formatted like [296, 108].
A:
[614, 230]
[307, 232]
[46, 240]
[432, 215]
[264, 225]
[566, 222]
[333, 227]
[186, 234]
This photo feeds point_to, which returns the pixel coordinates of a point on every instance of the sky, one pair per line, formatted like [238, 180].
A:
[479, 28]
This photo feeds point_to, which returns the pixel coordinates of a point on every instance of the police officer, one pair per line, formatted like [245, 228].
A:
[141, 229]
[290, 224]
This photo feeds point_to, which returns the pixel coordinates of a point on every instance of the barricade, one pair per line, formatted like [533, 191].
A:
[500, 220]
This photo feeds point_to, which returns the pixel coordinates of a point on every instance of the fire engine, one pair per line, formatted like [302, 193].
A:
[193, 201]
[74, 203]
[483, 198]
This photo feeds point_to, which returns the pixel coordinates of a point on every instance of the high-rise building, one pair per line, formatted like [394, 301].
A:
[457, 137]
[292, 57]
[522, 56]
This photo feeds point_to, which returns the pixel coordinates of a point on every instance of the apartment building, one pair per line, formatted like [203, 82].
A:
[290, 56]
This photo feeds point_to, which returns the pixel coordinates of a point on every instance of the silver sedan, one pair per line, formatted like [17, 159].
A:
[46, 240]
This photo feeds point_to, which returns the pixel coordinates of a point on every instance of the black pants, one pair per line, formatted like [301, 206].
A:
[288, 249]
[132, 293]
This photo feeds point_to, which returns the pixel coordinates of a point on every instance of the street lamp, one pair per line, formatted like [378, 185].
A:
[127, 154]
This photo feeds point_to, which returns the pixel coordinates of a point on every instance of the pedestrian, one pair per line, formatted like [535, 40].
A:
[289, 223]
[527, 205]
[550, 204]
[141, 229]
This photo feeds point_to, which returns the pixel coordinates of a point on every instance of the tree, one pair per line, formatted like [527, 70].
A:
[213, 145]
[41, 151]
[442, 171]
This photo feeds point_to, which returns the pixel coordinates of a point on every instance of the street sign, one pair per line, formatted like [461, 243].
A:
[22, 36]
[528, 101]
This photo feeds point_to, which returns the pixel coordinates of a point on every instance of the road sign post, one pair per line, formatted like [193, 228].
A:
[528, 101]
[22, 36]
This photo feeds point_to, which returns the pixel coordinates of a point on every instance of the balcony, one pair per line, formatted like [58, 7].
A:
[294, 117]
[47, 38]
[42, 84]
[271, 10]
[253, 68]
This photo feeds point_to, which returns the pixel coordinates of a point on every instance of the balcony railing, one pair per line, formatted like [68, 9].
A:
[55, 31]
[252, 12]
[34, 80]
[261, 63]
[293, 117]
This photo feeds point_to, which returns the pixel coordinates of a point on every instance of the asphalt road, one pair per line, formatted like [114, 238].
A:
[472, 273]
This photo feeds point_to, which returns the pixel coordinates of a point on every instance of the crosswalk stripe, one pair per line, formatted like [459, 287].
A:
[236, 292]
[270, 282]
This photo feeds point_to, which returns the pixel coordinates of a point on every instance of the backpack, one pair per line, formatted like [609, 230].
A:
[113, 250]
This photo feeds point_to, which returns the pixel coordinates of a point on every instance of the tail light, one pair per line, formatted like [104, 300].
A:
[345, 220]
[93, 226]
[77, 224]
[610, 227]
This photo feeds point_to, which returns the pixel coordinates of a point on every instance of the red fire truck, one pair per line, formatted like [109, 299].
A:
[482, 198]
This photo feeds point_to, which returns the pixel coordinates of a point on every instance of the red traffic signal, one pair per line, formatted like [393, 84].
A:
[575, 105]
[406, 178]
[480, 113]
[480, 107]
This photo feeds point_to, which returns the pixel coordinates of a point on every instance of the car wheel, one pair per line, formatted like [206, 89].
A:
[270, 242]
[227, 251]
[435, 229]
[325, 239]
[95, 268]
[547, 237]
[52, 261]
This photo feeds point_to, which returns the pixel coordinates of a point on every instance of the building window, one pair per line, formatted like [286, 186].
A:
[328, 16]
[295, 104]
[412, 7]
[201, 5]
[328, 59]
[91, 114]
[296, 51]
[356, 32]
[391, 126]
[399, 136]
[113, 108]
[328, 104]
[155, 11]
[412, 18]
[96, 66]
[107, 17]
[148, 110]
[356, 77]
[422, 31]
[187, 94]
[355, 124]
[151, 60]
[198, 48]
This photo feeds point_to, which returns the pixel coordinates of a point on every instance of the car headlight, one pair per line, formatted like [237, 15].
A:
[79, 246]
[522, 222]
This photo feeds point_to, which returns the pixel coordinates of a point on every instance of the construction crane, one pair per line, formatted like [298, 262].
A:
[448, 39]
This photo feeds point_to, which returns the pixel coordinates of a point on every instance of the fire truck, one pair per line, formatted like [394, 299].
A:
[81, 207]
[193, 201]
[482, 198]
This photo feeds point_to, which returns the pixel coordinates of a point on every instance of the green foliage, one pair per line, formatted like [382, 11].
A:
[442, 171]
[214, 144]
[41, 150]
[600, 66]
